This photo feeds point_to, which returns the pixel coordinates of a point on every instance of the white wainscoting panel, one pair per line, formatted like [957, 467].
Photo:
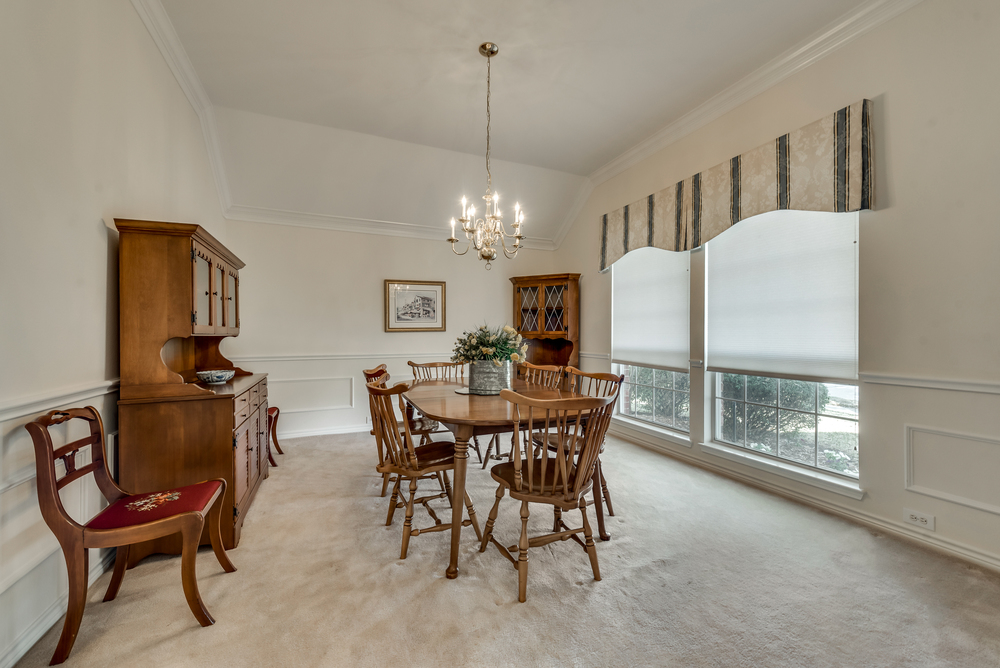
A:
[306, 395]
[952, 466]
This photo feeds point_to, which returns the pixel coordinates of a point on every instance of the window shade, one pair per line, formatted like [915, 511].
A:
[650, 309]
[782, 296]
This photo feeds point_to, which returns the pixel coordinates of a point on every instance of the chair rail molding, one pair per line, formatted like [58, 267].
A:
[851, 25]
[595, 356]
[951, 384]
[52, 399]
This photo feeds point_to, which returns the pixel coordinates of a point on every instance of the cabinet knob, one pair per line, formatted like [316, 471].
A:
[214, 293]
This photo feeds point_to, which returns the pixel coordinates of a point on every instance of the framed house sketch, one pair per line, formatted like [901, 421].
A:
[414, 306]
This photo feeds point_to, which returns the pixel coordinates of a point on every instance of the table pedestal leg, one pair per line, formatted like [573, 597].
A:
[462, 435]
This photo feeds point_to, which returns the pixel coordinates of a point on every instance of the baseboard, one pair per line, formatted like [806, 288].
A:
[325, 431]
[898, 529]
[50, 617]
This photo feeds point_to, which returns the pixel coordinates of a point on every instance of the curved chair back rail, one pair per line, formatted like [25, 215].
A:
[128, 518]
[547, 375]
[453, 371]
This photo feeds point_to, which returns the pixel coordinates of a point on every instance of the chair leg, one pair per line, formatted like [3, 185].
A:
[522, 556]
[190, 536]
[488, 532]
[385, 483]
[121, 563]
[489, 449]
[408, 524]
[598, 506]
[77, 566]
[557, 513]
[591, 550]
[472, 516]
[270, 455]
[446, 485]
[475, 444]
[604, 489]
[396, 495]
[274, 434]
[215, 534]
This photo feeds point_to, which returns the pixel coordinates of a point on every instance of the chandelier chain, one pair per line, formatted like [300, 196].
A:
[489, 177]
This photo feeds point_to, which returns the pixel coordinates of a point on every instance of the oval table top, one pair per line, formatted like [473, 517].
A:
[437, 400]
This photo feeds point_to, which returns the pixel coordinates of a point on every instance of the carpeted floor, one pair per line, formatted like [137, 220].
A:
[701, 571]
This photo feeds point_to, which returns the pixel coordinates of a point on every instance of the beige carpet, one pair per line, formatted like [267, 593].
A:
[701, 571]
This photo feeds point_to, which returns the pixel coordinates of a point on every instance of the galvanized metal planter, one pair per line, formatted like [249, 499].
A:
[487, 378]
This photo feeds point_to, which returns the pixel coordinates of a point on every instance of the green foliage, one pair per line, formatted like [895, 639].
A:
[500, 344]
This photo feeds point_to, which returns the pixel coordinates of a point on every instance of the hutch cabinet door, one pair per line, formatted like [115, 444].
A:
[219, 298]
[201, 303]
[265, 438]
[554, 297]
[529, 300]
[241, 463]
[232, 301]
[254, 454]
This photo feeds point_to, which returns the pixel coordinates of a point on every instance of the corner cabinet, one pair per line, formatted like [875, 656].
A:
[547, 315]
[179, 298]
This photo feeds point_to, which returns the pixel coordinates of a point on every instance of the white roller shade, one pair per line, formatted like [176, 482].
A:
[782, 296]
[650, 308]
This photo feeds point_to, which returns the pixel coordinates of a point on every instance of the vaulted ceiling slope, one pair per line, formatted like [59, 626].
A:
[576, 85]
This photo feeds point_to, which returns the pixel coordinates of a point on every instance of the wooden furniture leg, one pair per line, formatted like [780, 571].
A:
[77, 567]
[462, 435]
[274, 428]
[598, 506]
[121, 563]
[190, 536]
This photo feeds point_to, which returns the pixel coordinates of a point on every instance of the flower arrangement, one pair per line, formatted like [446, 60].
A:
[483, 343]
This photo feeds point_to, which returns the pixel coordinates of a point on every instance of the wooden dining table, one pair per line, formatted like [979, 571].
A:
[466, 416]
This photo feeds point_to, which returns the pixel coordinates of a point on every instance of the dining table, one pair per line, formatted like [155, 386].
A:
[469, 415]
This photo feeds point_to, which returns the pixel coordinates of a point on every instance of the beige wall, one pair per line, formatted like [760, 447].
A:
[929, 280]
[92, 125]
[312, 313]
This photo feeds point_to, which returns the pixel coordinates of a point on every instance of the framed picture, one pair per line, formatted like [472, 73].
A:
[414, 306]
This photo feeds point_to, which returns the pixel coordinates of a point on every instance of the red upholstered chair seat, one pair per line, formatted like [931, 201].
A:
[142, 508]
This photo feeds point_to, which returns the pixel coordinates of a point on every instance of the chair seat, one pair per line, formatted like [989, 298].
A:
[504, 474]
[143, 508]
[435, 454]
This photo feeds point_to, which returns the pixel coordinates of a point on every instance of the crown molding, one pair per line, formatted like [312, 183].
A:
[322, 221]
[155, 18]
[855, 23]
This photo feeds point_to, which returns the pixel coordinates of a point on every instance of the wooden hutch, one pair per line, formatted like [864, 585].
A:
[547, 315]
[179, 298]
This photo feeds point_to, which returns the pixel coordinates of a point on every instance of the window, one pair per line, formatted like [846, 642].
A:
[655, 395]
[805, 422]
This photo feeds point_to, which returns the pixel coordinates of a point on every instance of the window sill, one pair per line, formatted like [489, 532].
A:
[830, 483]
[647, 429]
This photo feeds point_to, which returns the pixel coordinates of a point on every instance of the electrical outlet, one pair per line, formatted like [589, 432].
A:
[920, 519]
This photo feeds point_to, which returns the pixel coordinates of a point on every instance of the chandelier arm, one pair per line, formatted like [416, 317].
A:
[463, 252]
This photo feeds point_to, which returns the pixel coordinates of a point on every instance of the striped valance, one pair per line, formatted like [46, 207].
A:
[824, 166]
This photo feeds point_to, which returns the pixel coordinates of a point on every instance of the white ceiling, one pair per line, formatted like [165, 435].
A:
[576, 83]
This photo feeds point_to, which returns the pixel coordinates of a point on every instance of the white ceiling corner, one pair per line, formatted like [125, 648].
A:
[855, 23]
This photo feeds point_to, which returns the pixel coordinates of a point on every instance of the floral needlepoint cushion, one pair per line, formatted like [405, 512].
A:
[153, 501]
[152, 506]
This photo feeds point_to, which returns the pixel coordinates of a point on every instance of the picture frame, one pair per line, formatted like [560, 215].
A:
[414, 306]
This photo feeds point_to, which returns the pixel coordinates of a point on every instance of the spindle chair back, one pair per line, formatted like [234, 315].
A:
[451, 371]
[548, 375]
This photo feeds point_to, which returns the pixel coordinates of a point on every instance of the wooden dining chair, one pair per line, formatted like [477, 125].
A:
[448, 371]
[272, 430]
[419, 426]
[597, 385]
[413, 463]
[128, 519]
[451, 371]
[560, 478]
[548, 375]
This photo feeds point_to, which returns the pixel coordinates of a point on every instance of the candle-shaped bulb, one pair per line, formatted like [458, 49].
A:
[472, 212]
[453, 228]
[496, 196]
[517, 207]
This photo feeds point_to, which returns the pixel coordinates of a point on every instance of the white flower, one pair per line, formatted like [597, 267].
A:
[496, 362]
[514, 357]
[509, 329]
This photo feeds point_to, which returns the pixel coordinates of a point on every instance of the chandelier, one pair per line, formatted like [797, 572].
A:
[484, 233]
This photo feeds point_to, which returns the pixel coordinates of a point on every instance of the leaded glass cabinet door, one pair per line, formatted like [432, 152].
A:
[219, 298]
[201, 305]
[530, 309]
[554, 319]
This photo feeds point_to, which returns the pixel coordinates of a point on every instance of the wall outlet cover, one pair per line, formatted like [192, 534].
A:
[922, 520]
